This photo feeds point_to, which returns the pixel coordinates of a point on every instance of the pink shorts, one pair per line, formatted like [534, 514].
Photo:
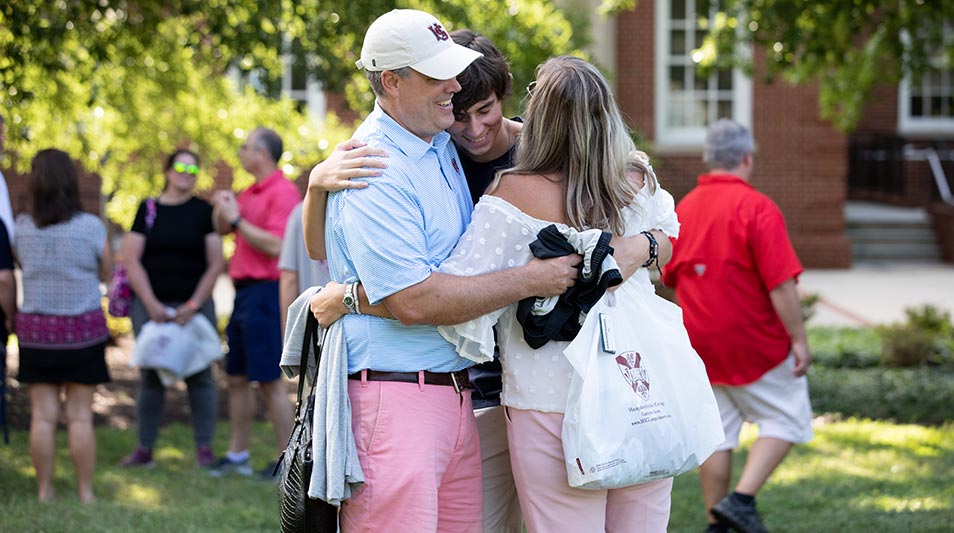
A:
[420, 454]
[549, 503]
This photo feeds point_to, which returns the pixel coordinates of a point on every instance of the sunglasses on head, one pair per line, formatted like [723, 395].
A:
[188, 169]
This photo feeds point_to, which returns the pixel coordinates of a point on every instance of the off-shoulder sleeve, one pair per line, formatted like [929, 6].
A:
[498, 237]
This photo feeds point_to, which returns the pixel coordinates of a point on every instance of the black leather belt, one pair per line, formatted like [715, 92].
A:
[459, 380]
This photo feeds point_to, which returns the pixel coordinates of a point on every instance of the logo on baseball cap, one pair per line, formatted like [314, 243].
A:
[411, 38]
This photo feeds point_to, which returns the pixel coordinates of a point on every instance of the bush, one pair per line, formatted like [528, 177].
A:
[808, 302]
[908, 395]
[845, 347]
[926, 338]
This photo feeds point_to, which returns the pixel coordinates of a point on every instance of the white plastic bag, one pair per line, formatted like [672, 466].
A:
[644, 412]
[176, 352]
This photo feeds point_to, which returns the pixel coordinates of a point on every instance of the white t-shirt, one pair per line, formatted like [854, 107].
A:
[498, 237]
[294, 255]
[6, 210]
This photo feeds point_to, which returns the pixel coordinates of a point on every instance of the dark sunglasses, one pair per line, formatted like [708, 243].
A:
[188, 169]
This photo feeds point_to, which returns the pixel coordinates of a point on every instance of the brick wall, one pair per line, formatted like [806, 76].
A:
[90, 187]
[801, 161]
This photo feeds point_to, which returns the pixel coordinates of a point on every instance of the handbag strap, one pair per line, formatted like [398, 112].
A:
[151, 212]
[309, 340]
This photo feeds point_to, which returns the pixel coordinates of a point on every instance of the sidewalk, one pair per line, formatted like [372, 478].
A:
[877, 293]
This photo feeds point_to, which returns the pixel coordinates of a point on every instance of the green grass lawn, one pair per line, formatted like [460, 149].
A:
[857, 475]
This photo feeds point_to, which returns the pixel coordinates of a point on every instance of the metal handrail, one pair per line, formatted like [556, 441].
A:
[937, 170]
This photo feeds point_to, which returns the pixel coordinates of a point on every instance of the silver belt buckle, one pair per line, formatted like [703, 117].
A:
[453, 376]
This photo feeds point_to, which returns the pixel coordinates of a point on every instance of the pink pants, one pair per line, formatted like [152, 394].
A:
[548, 502]
[420, 454]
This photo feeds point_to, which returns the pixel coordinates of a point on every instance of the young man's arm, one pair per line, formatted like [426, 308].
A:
[350, 159]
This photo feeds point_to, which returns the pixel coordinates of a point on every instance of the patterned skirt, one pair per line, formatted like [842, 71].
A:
[62, 348]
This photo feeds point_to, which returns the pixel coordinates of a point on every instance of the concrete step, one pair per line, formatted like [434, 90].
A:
[867, 212]
[889, 233]
[898, 251]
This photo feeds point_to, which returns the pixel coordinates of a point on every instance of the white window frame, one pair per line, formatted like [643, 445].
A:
[914, 125]
[312, 95]
[692, 138]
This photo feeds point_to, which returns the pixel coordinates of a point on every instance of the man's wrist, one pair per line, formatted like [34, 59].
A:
[350, 298]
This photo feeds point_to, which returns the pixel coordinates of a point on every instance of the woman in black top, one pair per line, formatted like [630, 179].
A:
[173, 257]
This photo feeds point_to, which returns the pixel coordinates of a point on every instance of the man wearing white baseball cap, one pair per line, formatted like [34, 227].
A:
[412, 419]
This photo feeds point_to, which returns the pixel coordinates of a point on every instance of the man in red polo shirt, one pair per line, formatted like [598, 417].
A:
[258, 217]
[734, 271]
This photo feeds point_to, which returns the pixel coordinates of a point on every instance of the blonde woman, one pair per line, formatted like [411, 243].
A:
[576, 166]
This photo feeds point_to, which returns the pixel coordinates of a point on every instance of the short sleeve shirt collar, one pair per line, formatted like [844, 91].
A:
[411, 145]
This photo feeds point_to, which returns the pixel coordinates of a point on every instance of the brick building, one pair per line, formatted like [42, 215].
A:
[803, 163]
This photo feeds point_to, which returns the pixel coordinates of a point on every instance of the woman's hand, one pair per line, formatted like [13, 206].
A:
[157, 312]
[184, 314]
[326, 305]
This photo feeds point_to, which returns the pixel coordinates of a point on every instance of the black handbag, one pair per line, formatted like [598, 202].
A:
[299, 513]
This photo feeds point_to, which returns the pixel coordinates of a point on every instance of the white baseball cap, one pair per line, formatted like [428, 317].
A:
[411, 38]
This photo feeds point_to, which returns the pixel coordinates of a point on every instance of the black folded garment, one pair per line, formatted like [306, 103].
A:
[566, 318]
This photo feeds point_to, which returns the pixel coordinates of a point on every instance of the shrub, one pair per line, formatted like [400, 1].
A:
[845, 347]
[808, 302]
[926, 338]
[909, 395]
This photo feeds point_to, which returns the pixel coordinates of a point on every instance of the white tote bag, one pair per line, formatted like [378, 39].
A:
[177, 352]
[640, 406]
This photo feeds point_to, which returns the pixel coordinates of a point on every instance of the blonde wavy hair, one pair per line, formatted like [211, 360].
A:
[573, 126]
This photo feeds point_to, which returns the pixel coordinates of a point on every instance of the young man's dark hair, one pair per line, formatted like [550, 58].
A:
[488, 74]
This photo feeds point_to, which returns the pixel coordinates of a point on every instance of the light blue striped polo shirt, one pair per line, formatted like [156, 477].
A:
[391, 236]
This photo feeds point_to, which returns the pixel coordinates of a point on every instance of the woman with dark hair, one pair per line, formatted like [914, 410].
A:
[173, 257]
[60, 327]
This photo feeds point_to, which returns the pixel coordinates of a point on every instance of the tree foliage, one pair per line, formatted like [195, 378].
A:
[119, 83]
[848, 46]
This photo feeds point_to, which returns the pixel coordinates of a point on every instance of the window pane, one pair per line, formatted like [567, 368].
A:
[677, 78]
[700, 37]
[699, 83]
[699, 112]
[725, 80]
[299, 80]
[677, 10]
[936, 106]
[724, 109]
[916, 106]
[677, 109]
[677, 44]
[702, 8]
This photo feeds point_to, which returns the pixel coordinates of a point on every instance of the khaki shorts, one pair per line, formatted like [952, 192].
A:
[777, 403]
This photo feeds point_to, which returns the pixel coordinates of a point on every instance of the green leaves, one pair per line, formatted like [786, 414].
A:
[119, 84]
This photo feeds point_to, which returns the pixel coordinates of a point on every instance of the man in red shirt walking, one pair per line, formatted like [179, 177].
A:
[734, 271]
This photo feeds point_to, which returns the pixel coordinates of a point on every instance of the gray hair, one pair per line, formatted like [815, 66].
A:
[375, 78]
[727, 142]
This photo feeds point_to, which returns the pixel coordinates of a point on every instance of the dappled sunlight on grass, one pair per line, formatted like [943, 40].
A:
[140, 494]
[169, 453]
[856, 475]
[883, 502]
